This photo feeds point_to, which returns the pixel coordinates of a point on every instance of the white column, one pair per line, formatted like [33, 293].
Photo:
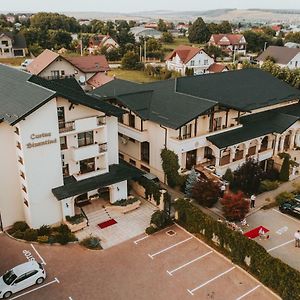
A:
[277, 138]
[292, 140]
[232, 154]
[281, 145]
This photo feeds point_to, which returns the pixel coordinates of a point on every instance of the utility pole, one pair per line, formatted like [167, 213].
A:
[145, 51]
[81, 50]
[140, 53]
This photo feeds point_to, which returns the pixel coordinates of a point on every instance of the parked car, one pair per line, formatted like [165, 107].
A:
[291, 208]
[26, 62]
[21, 277]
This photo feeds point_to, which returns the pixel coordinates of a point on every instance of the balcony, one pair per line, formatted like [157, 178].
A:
[136, 134]
[66, 127]
[88, 151]
[98, 171]
[82, 125]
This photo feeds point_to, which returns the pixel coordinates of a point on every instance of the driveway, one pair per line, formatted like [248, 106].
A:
[161, 266]
[282, 228]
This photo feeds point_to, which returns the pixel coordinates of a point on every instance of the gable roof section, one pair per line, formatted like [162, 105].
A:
[185, 53]
[282, 55]
[89, 63]
[157, 101]
[42, 61]
[254, 126]
[216, 68]
[19, 97]
[243, 90]
[65, 89]
[233, 38]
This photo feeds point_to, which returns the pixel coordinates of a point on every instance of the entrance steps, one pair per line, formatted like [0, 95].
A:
[101, 215]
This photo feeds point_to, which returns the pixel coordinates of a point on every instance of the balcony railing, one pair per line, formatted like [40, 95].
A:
[67, 126]
[52, 77]
[103, 148]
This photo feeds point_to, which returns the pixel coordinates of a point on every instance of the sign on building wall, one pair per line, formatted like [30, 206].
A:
[36, 140]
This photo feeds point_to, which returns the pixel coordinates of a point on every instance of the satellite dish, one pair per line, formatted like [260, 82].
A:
[82, 79]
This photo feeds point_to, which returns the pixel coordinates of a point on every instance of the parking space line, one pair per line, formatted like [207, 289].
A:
[170, 247]
[143, 238]
[37, 288]
[43, 262]
[246, 294]
[209, 281]
[188, 263]
[281, 245]
[279, 212]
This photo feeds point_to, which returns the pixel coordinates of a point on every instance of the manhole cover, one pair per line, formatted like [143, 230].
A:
[171, 232]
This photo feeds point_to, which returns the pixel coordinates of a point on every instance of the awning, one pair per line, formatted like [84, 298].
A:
[117, 173]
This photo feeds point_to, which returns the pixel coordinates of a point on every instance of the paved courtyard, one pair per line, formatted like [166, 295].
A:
[282, 228]
[128, 225]
[161, 266]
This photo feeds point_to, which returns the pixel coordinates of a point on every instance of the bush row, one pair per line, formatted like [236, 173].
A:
[45, 234]
[271, 271]
[159, 220]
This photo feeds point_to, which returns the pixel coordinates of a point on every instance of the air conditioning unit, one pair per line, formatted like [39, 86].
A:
[124, 141]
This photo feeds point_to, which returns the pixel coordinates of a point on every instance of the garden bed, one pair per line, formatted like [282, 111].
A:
[126, 205]
[76, 223]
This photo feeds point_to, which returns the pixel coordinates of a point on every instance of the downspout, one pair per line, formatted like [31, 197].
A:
[166, 135]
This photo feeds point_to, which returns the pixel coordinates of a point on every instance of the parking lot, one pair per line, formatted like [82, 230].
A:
[169, 264]
[282, 228]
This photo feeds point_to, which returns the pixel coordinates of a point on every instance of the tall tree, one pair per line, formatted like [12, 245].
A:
[161, 25]
[206, 192]
[198, 32]
[190, 183]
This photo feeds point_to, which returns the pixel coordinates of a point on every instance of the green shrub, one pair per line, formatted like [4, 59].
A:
[91, 242]
[43, 239]
[150, 230]
[161, 219]
[44, 230]
[75, 219]
[228, 176]
[268, 185]
[62, 238]
[285, 169]
[72, 237]
[63, 229]
[18, 234]
[30, 234]
[284, 196]
[20, 225]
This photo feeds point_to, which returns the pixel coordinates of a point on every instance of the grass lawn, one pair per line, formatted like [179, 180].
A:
[131, 75]
[179, 41]
[14, 61]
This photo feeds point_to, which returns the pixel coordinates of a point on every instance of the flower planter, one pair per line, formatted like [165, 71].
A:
[76, 227]
[127, 208]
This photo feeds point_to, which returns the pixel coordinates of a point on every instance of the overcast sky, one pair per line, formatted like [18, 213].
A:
[141, 5]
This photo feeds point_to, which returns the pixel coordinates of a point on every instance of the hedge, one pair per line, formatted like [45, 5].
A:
[271, 271]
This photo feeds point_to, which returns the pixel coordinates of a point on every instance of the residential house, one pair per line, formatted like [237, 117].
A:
[97, 42]
[212, 122]
[61, 147]
[51, 65]
[229, 43]
[283, 56]
[142, 32]
[188, 57]
[12, 45]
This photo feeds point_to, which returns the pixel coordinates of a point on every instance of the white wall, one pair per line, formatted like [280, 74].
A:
[43, 167]
[11, 200]
[118, 191]
[112, 140]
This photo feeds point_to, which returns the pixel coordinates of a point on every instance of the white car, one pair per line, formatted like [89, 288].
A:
[21, 277]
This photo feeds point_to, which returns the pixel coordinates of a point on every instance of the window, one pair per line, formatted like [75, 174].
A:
[217, 123]
[85, 138]
[24, 188]
[63, 142]
[145, 169]
[65, 170]
[205, 61]
[5, 43]
[22, 174]
[87, 165]
[20, 160]
[296, 64]
[145, 152]
[192, 63]
[61, 117]
[131, 120]
[19, 145]
[55, 74]
[62, 72]
[120, 119]
[6, 50]
[187, 131]
[132, 161]
[17, 131]
[25, 202]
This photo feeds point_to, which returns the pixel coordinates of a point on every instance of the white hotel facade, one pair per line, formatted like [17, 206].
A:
[56, 143]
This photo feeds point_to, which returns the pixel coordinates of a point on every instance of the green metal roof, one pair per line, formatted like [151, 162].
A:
[175, 102]
[254, 126]
[68, 89]
[117, 173]
[19, 97]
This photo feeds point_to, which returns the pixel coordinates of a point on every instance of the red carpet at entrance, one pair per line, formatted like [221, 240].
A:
[255, 232]
[107, 223]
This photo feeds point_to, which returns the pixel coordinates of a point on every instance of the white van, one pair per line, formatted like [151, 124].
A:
[21, 277]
